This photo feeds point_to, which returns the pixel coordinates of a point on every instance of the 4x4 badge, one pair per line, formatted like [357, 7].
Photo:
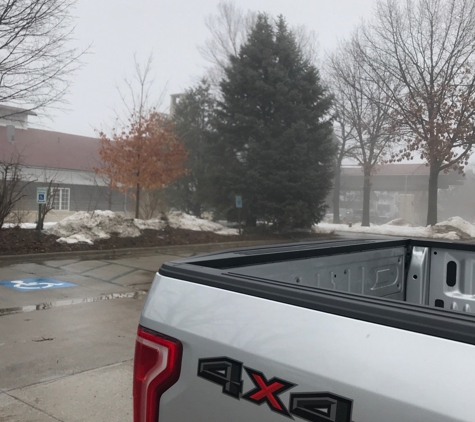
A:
[312, 407]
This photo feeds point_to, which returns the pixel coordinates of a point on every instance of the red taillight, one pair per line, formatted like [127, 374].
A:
[157, 367]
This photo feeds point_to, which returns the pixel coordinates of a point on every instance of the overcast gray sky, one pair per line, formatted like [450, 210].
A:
[171, 30]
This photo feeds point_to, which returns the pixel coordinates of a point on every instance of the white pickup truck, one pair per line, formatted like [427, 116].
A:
[333, 331]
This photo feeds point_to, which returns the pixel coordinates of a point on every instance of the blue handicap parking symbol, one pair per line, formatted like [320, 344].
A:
[32, 284]
[41, 196]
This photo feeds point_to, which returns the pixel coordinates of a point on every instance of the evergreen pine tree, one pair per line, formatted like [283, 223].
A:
[273, 140]
[192, 118]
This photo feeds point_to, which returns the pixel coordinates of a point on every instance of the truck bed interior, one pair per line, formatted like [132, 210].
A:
[434, 274]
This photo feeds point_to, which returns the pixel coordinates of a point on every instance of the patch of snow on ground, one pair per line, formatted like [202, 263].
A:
[180, 220]
[75, 238]
[322, 230]
[28, 225]
[154, 224]
[93, 226]
[398, 222]
[388, 230]
[86, 227]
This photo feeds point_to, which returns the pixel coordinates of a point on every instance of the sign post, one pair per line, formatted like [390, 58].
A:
[239, 207]
[41, 197]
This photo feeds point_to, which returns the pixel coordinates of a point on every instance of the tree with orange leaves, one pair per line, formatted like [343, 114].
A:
[147, 154]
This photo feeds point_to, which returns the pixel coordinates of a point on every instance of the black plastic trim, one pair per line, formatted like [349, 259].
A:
[425, 320]
[288, 252]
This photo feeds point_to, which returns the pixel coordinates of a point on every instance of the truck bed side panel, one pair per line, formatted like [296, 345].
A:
[387, 374]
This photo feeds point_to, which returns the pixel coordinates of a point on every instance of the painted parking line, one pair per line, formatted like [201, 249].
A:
[34, 284]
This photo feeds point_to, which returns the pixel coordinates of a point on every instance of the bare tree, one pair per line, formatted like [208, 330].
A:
[136, 94]
[20, 213]
[51, 180]
[36, 61]
[12, 185]
[363, 111]
[307, 40]
[343, 139]
[52, 190]
[229, 29]
[428, 48]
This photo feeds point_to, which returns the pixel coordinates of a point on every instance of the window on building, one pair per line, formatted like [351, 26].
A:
[61, 199]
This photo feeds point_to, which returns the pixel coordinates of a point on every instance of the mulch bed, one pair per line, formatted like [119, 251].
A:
[26, 241]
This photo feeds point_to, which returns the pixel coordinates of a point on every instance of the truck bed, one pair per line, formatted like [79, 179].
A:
[339, 331]
[350, 278]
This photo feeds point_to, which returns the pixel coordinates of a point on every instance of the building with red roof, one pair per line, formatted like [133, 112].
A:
[67, 160]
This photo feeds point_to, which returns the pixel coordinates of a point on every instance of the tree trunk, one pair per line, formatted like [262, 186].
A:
[196, 210]
[109, 198]
[433, 190]
[366, 197]
[251, 221]
[137, 201]
[336, 195]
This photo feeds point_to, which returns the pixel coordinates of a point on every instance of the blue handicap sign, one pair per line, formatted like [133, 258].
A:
[41, 197]
[32, 284]
[238, 201]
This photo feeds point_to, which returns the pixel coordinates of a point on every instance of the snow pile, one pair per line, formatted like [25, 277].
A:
[207, 216]
[398, 222]
[455, 228]
[463, 228]
[386, 230]
[154, 224]
[75, 238]
[90, 226]
[86, 227]
[180, 220]
[321, 230]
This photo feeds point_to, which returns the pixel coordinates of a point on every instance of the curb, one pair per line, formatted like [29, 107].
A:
[117, 253]
[66, 302]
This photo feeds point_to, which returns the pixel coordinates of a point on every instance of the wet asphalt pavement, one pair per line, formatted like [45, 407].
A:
[66, 351]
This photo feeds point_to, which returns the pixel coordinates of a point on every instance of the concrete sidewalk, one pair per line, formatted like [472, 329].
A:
[69, 364]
